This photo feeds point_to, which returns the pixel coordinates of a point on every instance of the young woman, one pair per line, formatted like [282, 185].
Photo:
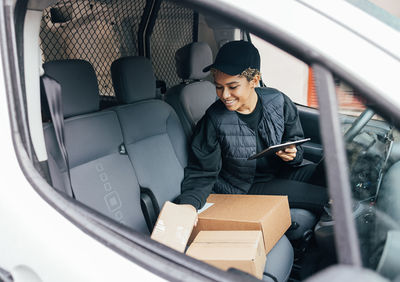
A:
[247, 119]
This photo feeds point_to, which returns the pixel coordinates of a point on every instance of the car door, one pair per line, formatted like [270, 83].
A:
[73, 240]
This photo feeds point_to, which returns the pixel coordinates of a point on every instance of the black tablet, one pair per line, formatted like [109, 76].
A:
[276, 148]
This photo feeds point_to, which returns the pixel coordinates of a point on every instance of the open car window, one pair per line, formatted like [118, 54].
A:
[282, 71]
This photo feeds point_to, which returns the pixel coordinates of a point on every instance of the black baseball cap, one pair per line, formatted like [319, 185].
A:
[236, 56]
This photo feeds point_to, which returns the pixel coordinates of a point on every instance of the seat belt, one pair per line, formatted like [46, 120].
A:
[52, 89]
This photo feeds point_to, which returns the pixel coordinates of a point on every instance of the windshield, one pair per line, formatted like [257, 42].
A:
[387, 11]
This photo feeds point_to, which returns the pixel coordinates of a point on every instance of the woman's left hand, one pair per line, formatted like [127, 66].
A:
[288, 154]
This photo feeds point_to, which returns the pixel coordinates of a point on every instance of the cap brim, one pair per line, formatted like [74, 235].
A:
[227, 69]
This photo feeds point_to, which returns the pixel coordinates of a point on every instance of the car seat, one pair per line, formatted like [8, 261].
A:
[102, 176]
[194, 95]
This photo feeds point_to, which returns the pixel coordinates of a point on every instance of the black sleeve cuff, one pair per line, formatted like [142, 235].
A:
[189, 200]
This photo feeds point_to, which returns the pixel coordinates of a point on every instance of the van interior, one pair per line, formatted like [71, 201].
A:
[132, 87]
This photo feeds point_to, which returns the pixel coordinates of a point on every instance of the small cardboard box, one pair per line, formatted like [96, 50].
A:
[243, 250]
[174, 225]
[270, 214]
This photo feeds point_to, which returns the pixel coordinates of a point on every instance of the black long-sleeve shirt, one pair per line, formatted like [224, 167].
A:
[204, 162]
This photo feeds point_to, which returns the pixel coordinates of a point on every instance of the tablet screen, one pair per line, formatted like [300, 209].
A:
[276, 148]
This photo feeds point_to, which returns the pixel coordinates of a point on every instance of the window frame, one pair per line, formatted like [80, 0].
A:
[103, 232]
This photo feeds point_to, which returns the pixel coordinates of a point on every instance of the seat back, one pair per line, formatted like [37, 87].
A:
[101, 176]
[388, 195]
[194, 95]
[152, 132]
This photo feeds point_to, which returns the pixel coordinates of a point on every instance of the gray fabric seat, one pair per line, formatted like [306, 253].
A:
[194, 95]
[153, 134]
[280, 261]
[157, 147]
[101, 177]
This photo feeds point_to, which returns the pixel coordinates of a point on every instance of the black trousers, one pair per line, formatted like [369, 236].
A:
[304, 185]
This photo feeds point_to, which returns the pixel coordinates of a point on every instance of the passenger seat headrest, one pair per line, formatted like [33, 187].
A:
[133, 79]
[192, 59]
[80, 92]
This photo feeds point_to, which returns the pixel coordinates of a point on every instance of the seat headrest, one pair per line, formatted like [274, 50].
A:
[191, 59]
[133, 79]
[80, 92]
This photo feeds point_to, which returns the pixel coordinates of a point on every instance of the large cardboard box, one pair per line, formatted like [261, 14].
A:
[174, 225]
[243, 250]
[270, 214]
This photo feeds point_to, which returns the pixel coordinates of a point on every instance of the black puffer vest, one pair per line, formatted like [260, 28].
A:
[238, 141]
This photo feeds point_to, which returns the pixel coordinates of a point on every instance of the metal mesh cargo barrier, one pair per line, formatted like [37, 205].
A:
[96, 31]
[103, 31]
[173, 29]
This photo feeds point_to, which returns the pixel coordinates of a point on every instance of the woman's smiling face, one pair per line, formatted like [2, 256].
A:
[236, 92]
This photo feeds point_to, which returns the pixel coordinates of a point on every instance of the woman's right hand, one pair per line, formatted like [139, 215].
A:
[288, 154]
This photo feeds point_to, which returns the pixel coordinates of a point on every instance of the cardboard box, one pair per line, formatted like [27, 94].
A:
[243, 250]
[174, 225]
[270, 214]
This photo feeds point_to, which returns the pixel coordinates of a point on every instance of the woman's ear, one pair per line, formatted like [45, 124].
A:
[255, 81]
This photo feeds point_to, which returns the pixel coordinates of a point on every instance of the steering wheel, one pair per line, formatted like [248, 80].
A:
[360, 167]
[358, 124]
